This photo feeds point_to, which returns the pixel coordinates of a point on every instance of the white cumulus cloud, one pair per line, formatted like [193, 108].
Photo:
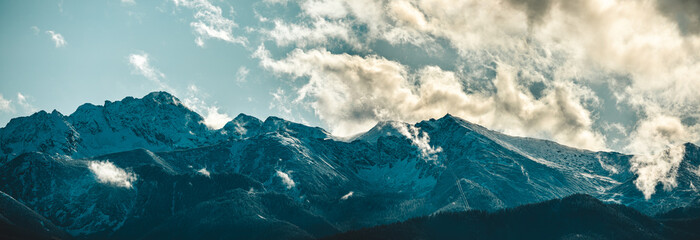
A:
[352, 93]
[563, 44]
[286, 179]
[107, 172]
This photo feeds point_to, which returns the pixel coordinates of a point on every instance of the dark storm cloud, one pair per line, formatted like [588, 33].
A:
[686, 13]
[536, 10]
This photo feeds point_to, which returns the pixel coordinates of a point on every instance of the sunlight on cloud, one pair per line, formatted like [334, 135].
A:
[644, 52]
[661, 168]
[107, 172]
[353, 93]
[565, 44]
[657, 142]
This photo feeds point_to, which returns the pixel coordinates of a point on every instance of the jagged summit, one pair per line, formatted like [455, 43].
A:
[276, 124]
[383, 129]
[139, 164]
[162, 97]
[158, 122]
[242, 126]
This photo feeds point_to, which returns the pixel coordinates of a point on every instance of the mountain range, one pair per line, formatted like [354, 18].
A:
[149, 168]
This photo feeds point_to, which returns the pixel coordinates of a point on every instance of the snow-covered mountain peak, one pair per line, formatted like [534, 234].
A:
[244, 118]
[162, 98]
[157, 122]
[382, 129]
[276, 124]
[42, 131]
[242, 126]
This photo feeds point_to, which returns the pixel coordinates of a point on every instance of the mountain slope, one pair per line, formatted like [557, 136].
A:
[149, 166]
[158, 122]
[17, 221]
[573, 217]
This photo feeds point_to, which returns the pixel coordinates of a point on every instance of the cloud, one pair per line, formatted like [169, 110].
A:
[659, 133]
[24, 103]
[286, 179]
[645, 53]
[35, 29]
[536, 10]
[685, 13]
[352, 93]
[242, 74]
[419, 139]
[5, 105]
[210, 22]
[130, 2]
[107, 172]
[280, 101]
[213, 118]
[661, 168]
[141, 65]
[560, 42]
[318, 32]
[204, 172]
[657, 142]
[57, 38]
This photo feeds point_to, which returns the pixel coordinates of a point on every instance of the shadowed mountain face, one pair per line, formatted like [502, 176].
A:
[574, 217]
[17, 221]
[149, 168]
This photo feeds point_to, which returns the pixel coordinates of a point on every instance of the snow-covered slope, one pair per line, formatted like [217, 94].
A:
[41, 132]
[158, 122]
[144, 165]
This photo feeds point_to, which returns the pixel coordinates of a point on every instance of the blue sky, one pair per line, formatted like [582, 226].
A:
[603, 74]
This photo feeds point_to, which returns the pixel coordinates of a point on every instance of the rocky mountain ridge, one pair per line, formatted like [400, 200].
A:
[139, 167]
